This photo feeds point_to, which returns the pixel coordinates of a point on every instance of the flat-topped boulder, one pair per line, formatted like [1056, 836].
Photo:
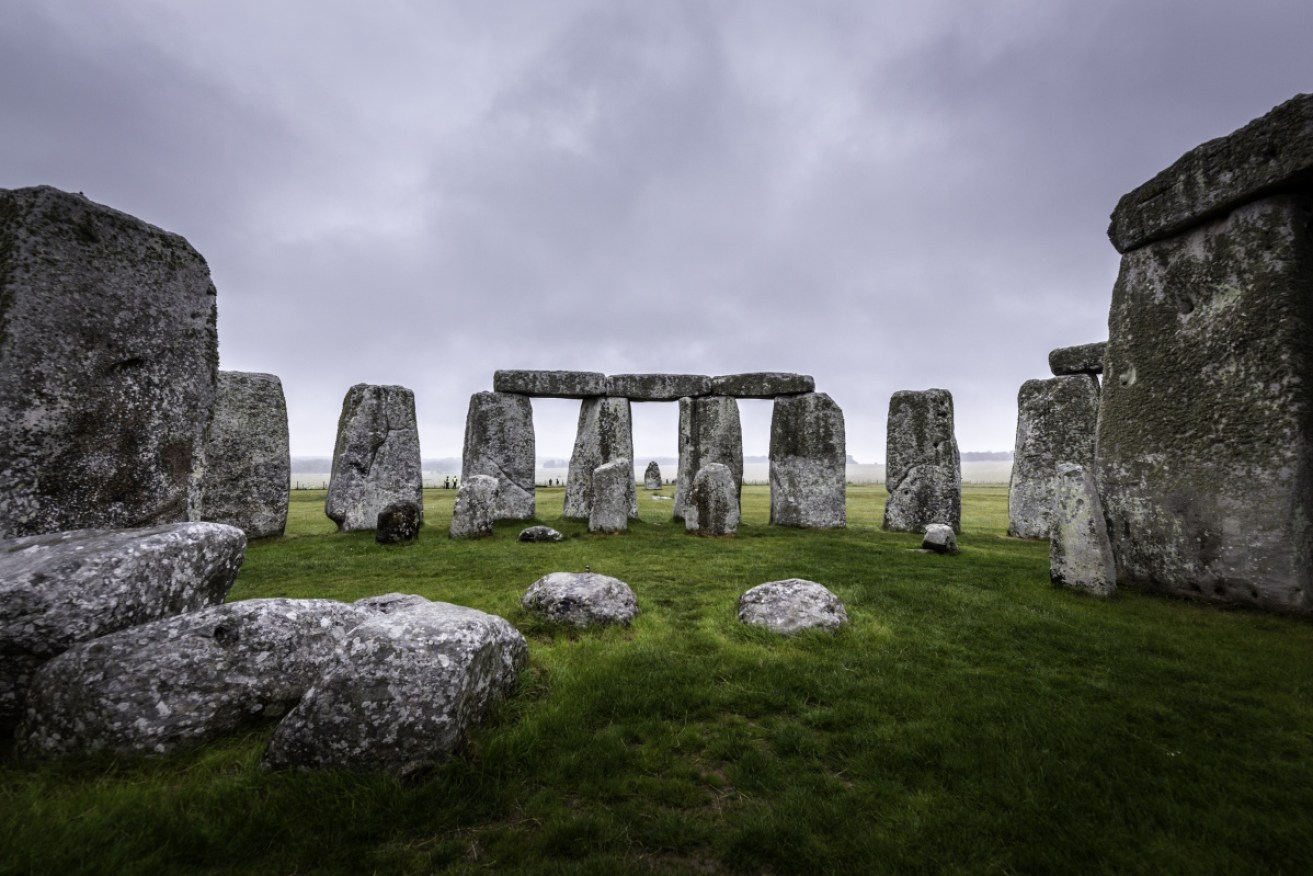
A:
[499, 442]
[551, 384]
[581, 599]
[1272, 154]
[376, 460]
[762, 384]
[792, 606]
[1082, 359]
[658, 387]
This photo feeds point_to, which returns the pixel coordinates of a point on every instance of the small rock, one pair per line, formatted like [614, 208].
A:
[939, 538]
[791, 606]
[399, 523]
[539, 533]
[476, 501]
[581, 599]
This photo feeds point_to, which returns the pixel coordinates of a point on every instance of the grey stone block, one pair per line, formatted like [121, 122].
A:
[499, 442]
[922, 467]
[551, 384]
[762, 384]
[808, 462]
[1056, 423]
[1083, 359]
[376, 461]
[658, 387]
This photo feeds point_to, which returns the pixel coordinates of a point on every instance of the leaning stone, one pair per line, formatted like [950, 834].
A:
[551, 384]
[398, 523]
[762, 384]
[539, 533]
[1270, 155]
[940, 539]
[581, 599]
[1056, 422]
[108, 355]
[709, 432]
[923, 472]
[160, 686]
[1085, 359]
[652, 476]
[613, 489]
[792, 606]
[808, 462]
[658, 387]
[499, 442]
[1080, 554]
[713, 503]
[376, 461]
[605, 434]
[472, 515]
[401, 691]
[246, 472]
[63, 588]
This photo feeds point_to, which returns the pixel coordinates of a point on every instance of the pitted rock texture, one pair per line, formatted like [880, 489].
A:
[657, 387]
[652, 476]
[1084, 359]
[713, 502]
[399, 523]
[922, 468]
[613, 496]
[1270, 155]
[401, 691]
[1204, 454]
[62, 588]
[581, 599]
[762, 384]
[1080, 554]
[808, 458]
[605, 434]
[160, 686]
[108, 355]
[551, 384]
[376, 460]
[709, 432]
[1056, 423]
[499, 442]
[472, 515]
[246, 466]
[539, 533]
[792, 606]
[939, 538]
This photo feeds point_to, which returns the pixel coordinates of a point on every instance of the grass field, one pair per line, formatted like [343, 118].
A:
[970, 719]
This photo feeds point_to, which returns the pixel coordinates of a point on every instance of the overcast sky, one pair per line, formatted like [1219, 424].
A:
[884, 195]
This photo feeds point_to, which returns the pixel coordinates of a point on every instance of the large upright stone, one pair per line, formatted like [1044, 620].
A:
[652, 476]
[605, 434]
[657, 387]
[1082, 359]
[713, 502]
[472, 513]
[376, 461]
[247, 466]
[108, 354]
[762, 384]
[709, 432]
[499, 442]
[1080, 554]
[808, 458]
[551, 384]
[1056, 422]
[613, 496]
[922, 469]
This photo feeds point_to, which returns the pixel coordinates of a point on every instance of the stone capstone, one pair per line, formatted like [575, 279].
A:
[398, 523]
[939, 538]
[551, 384]
[762, 384]
[539, 533]
[613, 496]
[713, 502]
[1056, 423]
[246, 466]
[472, 515]
[108, 356]
[1084, 359]
[499, 442]
[376, 461]
[792, 606]
[709, 432]
[652, 476]
[1080, 554]
[62, 588]
[922, 468]
[657, 387]
[605, 434]
[808, 459]
[581, 599]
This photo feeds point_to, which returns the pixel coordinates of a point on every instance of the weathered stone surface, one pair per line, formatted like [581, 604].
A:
[713, 502]
[808, 457]
[398, 523]
[551, 384]
[246, 466]
[539, 533]
[108, 355]
[709, 431]
[1205, 438]
[1056, 423]
[613, 496]
[922, 468]
[658, 387]
[605, 434]
[1270, 155]
[62, 588]
[163, 685]
[939, 538]
[762, 384]
[472, 515]
[652, 476]
[499, 442]
[1080, 554]
[792, 606]
[581, 599]
[376, 460]
[1084, 359]
[402, 691]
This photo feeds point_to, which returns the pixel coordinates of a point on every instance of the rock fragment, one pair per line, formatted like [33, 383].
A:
[539, 533]
[762, 384]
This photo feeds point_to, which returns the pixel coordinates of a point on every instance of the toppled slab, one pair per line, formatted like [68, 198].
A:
[376, 460]
[762, 384]
[551, 384]
[1082, 359]
[792, 606]
[658, 387]
[581, 599]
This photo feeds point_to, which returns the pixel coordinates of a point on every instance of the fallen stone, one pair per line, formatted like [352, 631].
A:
[1085, 359]
[376, 461]
[923, 472]
[613, 492]
[762, 384]
[808, 459]
[1056, 423]
[581, 599]
[713, 503]
[709, 432]
[792, 606]
[398, 523]
[551, 384]
[940, 539]
[652, 476]
[605, 434]
[499, 442]
[472, 515]
[539, 533]
[658, 387]
[1080, 554]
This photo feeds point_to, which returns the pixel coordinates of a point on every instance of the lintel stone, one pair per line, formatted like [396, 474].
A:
[551, 384]
[1084, 359]
[762, 384]
[658, 387]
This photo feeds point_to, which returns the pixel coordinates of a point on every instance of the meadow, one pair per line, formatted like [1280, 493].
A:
[971, 718]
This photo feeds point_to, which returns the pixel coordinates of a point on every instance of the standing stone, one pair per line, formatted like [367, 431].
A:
[399, 523]
[808, 458]
[376, 461]
[499, 442]
[472, 515]
[709, 432]
[605, 434]
[108, 355]
[1080, 554]
[1056, 423]
[923, 472]
[247, 464]
[613, 492]
[1085, 359]
[652, 477]
[713, 503]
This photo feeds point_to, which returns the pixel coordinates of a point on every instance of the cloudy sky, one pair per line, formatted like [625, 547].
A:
[885, 195]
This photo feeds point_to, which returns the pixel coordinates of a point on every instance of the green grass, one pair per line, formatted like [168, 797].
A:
[970, 719]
